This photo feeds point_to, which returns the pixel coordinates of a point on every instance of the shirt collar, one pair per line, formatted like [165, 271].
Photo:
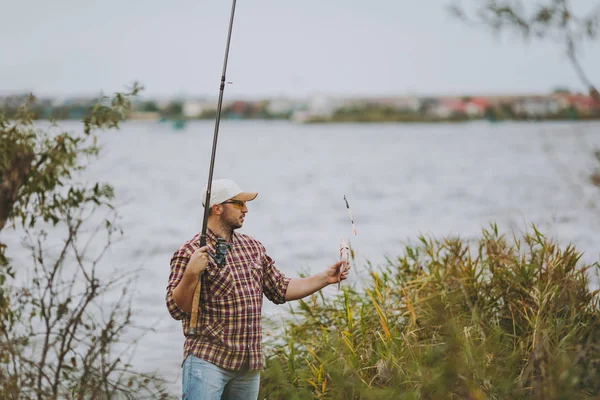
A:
[212, 237]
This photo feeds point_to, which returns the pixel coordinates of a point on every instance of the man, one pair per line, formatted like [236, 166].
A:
[225, 358]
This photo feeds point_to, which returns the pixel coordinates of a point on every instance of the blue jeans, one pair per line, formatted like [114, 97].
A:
[205, 381]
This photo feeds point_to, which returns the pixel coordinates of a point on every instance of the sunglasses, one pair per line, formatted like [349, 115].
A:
[239, 204]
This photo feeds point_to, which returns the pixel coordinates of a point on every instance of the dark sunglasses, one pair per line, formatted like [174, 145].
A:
[239, 204]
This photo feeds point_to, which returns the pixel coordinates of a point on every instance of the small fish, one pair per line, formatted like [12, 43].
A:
[344, 256]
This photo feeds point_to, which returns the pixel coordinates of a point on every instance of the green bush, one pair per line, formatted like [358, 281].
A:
[60, 332]
[502, 319]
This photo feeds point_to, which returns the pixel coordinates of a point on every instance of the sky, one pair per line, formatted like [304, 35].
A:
[279, 48]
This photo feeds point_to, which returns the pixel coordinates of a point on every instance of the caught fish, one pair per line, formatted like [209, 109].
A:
[344, 256]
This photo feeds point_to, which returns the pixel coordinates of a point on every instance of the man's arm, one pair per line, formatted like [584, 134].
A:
[183, 294]
[302, 287]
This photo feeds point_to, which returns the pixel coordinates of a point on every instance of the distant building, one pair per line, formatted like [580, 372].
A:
[581, 103]
[280, 107]
[318, 107]
[192, 108]
[538, 106]
[477, 106]
[447, 107]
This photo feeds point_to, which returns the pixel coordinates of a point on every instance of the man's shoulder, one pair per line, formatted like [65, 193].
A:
[188, 248]
[248, 240]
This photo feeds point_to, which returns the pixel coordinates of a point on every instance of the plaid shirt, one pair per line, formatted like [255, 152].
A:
[229, 319]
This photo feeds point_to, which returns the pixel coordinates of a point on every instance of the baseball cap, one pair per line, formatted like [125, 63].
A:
[225, 189]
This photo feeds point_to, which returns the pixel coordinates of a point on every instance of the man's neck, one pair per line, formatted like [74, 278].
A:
[219, 229]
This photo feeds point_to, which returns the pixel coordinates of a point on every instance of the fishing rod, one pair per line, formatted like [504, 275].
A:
[221, 247]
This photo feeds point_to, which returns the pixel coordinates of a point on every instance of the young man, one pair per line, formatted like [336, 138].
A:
[225, 358]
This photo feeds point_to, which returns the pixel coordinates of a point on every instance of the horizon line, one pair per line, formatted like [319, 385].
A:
[174, 95]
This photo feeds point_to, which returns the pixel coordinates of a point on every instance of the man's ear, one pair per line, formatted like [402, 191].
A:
[217, 209]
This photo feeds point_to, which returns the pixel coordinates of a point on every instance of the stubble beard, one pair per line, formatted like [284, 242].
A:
[230, 223]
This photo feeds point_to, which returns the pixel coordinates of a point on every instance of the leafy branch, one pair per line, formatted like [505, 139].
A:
[553, 20]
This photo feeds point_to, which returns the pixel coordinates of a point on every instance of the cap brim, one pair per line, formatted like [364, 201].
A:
[245, 196]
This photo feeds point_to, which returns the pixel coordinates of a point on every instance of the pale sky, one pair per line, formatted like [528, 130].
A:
[279, 48]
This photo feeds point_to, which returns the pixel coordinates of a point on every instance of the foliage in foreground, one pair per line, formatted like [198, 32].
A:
[59, 332]
[504, 319]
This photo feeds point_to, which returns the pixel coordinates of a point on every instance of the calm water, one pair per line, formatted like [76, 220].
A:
[400, 180]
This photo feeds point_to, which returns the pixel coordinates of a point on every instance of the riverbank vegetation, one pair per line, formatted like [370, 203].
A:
[60, 332]
[503, 318]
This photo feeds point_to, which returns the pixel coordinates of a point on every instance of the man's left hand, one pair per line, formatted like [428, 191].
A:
[332, 273]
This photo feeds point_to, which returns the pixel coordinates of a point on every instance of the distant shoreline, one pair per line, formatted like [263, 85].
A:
[558, 106]
[390, 120]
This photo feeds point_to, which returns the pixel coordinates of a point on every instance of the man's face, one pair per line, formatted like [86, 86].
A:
[234, 213]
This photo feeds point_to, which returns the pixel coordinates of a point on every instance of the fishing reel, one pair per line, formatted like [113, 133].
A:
[220, 252]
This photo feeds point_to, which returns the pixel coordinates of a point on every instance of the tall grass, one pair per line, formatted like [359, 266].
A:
[506, 318]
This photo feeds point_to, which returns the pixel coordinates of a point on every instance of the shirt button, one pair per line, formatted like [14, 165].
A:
[250, 325]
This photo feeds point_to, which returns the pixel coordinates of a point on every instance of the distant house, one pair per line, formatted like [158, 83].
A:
[538, 106]
[477, 106]
[192, 108]
[317, 107]
[280, 107]
[448, 107]
[196, 108]
[582, 103]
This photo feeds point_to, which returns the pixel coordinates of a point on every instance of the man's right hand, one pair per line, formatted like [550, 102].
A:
[198, 262]
[183, 294]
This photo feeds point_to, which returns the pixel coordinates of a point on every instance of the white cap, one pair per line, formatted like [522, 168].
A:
[226, 189]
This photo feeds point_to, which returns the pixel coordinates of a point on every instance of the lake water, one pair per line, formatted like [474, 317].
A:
[401, 180]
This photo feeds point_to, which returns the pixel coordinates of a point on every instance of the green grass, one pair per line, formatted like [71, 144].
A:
[504, 318]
